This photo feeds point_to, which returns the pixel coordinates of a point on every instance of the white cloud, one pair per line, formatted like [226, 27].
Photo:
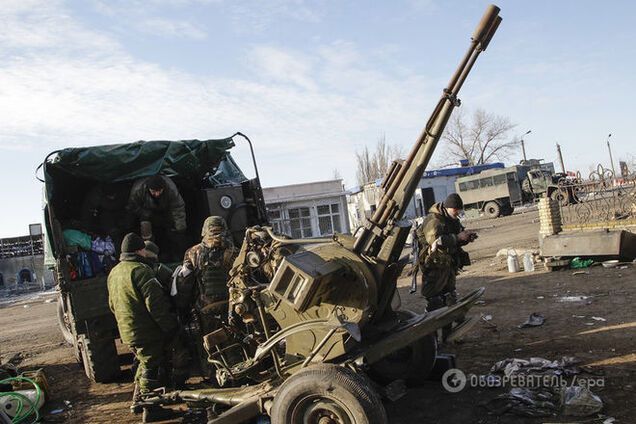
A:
[283, 66]
[172, 28]
[307, 113]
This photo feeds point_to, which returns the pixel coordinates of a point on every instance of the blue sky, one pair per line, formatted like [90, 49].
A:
[310, 82]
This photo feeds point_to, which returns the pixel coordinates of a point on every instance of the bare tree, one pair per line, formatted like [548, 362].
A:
[374, 165]
[482, 139]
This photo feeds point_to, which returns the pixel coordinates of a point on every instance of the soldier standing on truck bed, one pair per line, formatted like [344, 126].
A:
[204, 275]
[160, 210]
[145, 318]
[440, 238]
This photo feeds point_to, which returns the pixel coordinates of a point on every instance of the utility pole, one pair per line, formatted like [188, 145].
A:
[611, 158]
[523, 146]
[560, 158]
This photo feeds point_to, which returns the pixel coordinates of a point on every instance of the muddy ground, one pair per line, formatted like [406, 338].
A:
[28, 329]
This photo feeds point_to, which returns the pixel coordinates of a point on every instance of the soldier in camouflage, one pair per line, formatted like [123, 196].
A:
[144, 317]
[204, 276]
[441, 237]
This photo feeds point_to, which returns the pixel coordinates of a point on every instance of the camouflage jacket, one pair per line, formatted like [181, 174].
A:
[144, 206]
[193, 261]
[141, 306]
[439, 226]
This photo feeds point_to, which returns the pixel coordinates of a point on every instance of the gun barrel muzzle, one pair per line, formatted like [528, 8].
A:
[485, 26]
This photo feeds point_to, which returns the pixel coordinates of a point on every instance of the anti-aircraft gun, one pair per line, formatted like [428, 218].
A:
[315, 330]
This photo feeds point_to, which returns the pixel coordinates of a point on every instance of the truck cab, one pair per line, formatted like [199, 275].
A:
[210, 183]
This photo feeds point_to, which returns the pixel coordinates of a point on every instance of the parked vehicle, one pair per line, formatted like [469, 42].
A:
[496, 192]
[210, 183]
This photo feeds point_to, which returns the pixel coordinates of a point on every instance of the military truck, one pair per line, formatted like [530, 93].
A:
[496, 192]
[210, 183]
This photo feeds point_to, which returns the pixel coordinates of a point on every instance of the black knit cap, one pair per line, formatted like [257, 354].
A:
[454, 201]
[132, 243]
[156, 182]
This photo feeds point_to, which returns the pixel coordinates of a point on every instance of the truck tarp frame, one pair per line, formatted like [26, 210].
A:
[187, 159]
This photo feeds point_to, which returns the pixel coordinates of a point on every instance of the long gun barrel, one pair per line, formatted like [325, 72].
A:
[402, 179]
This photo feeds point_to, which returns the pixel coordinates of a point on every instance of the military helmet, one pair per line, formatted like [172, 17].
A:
[213, 225]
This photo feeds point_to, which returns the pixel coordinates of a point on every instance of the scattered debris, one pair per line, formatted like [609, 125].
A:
[49, 301]
[578, 262]
[609, 420]
[540, 297]
[572, 298]
[56, 411]
[534, 320]
[480, 302]
[581, 273]
[565, 366]
[486, 317]
[26, 306]
[599, 319]
[578, 316]
[579, 401]
[610, 264]
[527, 402]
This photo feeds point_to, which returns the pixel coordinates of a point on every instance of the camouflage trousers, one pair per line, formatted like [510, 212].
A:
[438, 281]
[161, 364]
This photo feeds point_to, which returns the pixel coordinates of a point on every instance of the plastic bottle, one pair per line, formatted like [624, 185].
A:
[528, 262]
[513, 261]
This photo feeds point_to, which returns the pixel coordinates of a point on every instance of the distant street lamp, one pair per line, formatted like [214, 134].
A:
[610, 153]
[523, 146]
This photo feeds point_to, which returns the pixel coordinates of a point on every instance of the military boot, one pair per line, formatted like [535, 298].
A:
[135, 407]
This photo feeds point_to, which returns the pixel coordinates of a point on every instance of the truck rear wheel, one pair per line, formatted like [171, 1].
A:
[327, 394]
[100, 359]
[63, 321]
[492, 209]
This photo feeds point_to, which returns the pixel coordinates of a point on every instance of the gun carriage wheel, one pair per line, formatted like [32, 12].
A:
[327, 394]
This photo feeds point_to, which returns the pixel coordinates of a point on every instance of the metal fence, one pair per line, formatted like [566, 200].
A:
[600, 201]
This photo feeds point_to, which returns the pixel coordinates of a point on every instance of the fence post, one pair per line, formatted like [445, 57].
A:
[550, 217]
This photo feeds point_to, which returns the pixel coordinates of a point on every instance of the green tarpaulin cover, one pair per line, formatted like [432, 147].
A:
[189, 160]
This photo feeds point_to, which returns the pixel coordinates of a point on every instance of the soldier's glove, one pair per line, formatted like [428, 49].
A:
[466, 237]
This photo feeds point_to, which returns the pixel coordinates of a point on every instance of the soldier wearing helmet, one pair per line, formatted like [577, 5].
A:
[202, 280]
[210, 262]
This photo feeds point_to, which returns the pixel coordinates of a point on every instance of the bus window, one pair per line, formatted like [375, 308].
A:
[512, 176]
[499, 179]
[485, 182]
[462, 187]
[472, 185]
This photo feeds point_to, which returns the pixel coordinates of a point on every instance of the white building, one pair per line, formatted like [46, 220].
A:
[308, 210]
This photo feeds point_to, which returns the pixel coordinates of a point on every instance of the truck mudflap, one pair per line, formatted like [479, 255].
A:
[415, 328]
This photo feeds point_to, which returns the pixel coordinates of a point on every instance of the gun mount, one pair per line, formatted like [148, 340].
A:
[311, 317]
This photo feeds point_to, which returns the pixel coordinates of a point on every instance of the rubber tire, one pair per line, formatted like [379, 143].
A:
[351, 390]
[100, 359]
[64, 327]
[492, 209]
[412, 364]
[560, 198]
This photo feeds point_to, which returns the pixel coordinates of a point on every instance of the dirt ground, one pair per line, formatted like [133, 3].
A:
[29, 333]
